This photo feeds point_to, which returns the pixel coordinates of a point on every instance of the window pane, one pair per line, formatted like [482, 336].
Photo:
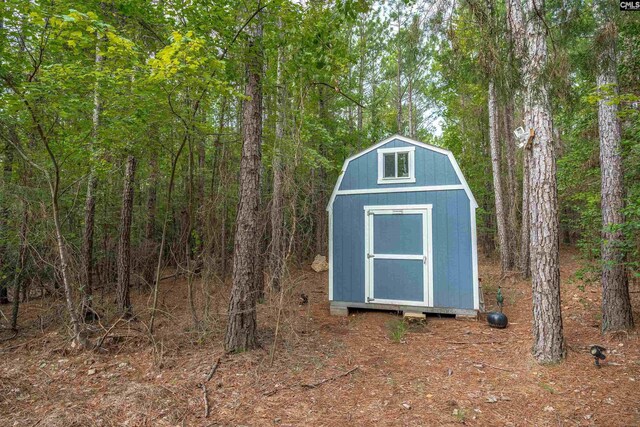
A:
[390, 165]
[403, 165]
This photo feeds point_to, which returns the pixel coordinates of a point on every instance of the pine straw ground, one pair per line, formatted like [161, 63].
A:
[446, 372]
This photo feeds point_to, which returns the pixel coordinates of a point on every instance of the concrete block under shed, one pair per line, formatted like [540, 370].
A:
[338, 311]
[414, 316]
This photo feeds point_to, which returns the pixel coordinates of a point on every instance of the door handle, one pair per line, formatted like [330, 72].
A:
[424, 260]
[371, 256]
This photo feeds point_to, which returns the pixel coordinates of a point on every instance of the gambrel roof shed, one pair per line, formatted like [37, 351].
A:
[402, 231]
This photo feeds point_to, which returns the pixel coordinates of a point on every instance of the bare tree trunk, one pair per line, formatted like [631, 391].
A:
[319, 183]
[361, 76]
[17, 276]
[242, 323]
[78, 330]
[548, 339]
[276, 257]
[86, 272]
[7, 171]
[124, 245]
[512, 184]
[412, 118]
[399, 76]
[525, 254]
[150, 246]
[516, 27]
[616, 304]
[494, 143]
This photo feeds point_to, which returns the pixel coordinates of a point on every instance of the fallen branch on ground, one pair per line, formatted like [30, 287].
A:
[312, 385]
[203, 386]
[474, 342]
[494, 367]
[335, 377]
[214, 368]
[98, 345]
[205, 398]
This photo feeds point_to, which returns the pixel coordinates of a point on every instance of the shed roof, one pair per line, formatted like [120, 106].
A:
[440, 150]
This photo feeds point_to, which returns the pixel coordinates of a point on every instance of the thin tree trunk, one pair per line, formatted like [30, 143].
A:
[548, 339]
[361, 76]
[319, 182]
[512, 184]
[242, 322]
[150, 246]
[276, 256]
[87, 245]
[90, 207]
[7, 171]
[124, 245]
[616, 304]
[494, 143]
[17, 277]
[399, 74]
[412, 121]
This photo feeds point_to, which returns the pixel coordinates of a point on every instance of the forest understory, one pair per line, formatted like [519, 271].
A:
[368, 369]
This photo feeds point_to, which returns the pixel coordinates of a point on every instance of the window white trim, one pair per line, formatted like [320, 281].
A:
[395, 180]
[426, 212]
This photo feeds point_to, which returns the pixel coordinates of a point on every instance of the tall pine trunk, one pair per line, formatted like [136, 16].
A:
[494, 143]
[525, 237]
[548, 339]
[242, 322]
[124, 245]
[516, 27]
[512, 184]
[399, 77]
[616, 304]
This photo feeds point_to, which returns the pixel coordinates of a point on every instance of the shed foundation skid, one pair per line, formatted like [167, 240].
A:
[338, 308]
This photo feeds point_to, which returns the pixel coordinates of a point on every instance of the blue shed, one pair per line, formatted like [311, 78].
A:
[402, 232]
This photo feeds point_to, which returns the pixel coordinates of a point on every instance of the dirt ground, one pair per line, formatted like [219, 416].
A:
[327, 371]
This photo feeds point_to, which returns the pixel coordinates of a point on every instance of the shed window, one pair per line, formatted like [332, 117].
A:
[396, 165]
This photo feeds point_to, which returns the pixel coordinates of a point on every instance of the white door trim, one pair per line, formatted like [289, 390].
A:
[426, 212]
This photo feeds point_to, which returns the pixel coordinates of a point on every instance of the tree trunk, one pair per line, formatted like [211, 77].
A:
[512, 184]
[494, 143]
[616, 303]
[525, 254]
[124, 245]
[399, 76]
[7, 171]
[548, 338]
[17, 276]
[276, 256]
[86, 268]
[319, 183]
[150, 247]
[242, 324]
[361, 76]
[412, 118]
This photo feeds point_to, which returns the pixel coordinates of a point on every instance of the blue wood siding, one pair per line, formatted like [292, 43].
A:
[451, 243]
[431, 169]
